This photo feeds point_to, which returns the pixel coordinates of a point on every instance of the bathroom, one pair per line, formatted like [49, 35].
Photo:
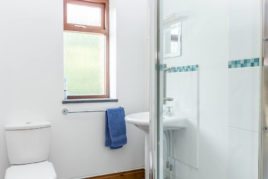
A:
[204, 88]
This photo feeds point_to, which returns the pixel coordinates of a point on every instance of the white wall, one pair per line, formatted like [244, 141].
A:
[31, 76]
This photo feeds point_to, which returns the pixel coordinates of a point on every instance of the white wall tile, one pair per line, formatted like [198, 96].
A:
[244, 98]
[243, 154]
[181, 170]
[245, 28]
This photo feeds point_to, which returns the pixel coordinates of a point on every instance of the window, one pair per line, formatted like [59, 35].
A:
[86, 49]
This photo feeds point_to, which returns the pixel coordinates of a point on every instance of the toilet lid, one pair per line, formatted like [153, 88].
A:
[41, 170]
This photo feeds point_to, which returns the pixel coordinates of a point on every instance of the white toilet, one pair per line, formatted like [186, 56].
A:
[28, 145]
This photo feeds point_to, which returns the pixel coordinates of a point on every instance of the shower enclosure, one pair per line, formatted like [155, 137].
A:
[208, 122]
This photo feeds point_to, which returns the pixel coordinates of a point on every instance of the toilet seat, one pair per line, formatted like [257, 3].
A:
[41, 170]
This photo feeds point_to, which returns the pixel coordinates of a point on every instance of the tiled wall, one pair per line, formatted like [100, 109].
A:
[243, 120]
[244, 116]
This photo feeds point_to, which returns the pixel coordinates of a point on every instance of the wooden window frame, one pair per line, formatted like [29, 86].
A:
[103, 29]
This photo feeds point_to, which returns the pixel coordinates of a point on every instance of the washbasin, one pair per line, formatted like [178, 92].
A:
[142, 120]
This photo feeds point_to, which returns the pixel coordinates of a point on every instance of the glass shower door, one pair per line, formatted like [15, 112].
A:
[209, 73]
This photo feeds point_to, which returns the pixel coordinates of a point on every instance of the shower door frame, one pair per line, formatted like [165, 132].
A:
[156, 96]
[264, 87]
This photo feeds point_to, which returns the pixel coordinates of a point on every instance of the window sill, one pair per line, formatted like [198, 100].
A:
[104, 100]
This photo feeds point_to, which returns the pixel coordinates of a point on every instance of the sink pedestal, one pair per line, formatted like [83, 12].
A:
[146, 156]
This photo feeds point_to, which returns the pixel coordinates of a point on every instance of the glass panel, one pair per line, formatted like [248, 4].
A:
[84, 68]
[84, 15]
[209, 89]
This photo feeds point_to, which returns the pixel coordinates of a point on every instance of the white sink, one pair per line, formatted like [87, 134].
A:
[142, 120]
[175, 122]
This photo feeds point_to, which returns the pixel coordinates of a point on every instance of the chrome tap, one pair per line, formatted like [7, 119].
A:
[166, 99]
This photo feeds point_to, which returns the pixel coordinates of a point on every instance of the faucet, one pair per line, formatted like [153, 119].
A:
[166, 99]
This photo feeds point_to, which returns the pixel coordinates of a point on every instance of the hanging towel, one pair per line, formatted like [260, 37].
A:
[115, 129]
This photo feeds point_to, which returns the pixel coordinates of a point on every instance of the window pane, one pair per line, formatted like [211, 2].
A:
[84, 56]
[84, 15]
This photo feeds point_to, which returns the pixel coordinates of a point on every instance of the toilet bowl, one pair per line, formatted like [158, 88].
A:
[28, 146]
[41, 170]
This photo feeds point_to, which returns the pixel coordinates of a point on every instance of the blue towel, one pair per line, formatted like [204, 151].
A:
[115, 130]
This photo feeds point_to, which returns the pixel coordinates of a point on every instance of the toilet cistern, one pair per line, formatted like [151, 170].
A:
[28, 146]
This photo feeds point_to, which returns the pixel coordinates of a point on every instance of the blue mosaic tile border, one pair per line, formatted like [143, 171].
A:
[162, 67]
[188, 68]
[253, 62]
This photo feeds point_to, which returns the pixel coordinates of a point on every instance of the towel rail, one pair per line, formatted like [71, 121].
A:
[65, 111]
